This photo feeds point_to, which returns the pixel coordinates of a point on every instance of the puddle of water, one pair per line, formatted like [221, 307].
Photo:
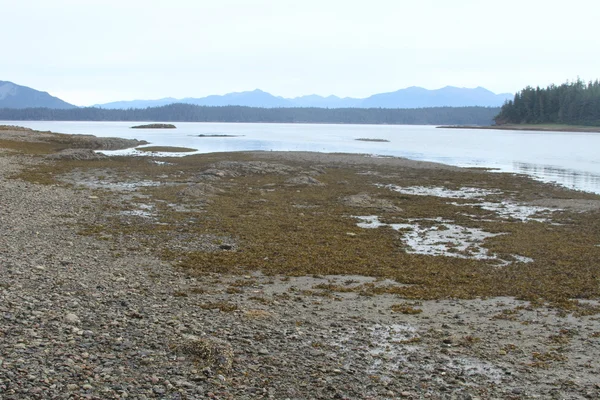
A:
[508, 210]
[137, 213]
[389, 347]
[372, 221]
[390, 350]
[438, 191]
[384, 335]
[120, 186]
[449, 240]
[135, 152]
[471, 366]
[144, 210]
[503, 209]
[444, 239]
[522, 259]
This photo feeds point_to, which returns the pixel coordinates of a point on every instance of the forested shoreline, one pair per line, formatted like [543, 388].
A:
[193, 113]
[575, 103]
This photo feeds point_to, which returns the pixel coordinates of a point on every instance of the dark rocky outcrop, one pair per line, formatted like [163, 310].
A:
[154, 126]
[77, 154]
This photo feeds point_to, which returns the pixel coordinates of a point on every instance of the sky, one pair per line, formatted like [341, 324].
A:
[97, 51]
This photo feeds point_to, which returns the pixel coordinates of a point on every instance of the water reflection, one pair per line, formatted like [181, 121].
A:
[573, 179]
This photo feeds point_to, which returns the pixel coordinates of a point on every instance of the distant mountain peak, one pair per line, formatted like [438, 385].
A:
[17, 96]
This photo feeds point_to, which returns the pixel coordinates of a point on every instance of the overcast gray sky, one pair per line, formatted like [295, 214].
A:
[96, 51]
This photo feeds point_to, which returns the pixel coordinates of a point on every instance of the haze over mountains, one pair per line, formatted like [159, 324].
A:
[412, 97]
[16, 96]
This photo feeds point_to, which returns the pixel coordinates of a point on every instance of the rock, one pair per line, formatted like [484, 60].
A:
[210, 351]
[232, 169]
[364, 200]
[77, 154]
[304, 180]
[154, 126]
[71, 318]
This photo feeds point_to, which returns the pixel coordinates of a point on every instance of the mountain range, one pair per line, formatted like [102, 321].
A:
[16, 96]
[412, 97]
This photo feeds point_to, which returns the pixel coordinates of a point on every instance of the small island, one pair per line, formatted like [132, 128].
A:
[154, 126]
[217, 135]
[371, 140]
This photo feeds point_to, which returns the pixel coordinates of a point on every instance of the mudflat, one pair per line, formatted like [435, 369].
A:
[289, 275]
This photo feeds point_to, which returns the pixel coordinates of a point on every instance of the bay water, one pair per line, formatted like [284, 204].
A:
[571, 159]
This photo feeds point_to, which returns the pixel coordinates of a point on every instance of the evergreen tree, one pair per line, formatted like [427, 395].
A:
[575, 103]
[193, 113]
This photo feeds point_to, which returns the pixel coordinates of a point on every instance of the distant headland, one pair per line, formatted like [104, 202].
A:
[529, 127]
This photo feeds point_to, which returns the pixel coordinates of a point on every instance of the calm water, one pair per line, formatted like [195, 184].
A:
[570, 159]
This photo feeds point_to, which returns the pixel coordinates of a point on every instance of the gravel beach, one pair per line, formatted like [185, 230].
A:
[87, 316]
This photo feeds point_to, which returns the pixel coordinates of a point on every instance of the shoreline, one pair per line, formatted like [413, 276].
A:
[541, 128]
[245, 275]
[584, 179]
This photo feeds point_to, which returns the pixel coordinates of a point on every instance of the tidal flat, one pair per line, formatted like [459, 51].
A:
[257, 275]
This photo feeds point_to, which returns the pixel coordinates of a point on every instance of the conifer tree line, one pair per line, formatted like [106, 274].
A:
[194, 113]
[574, 103]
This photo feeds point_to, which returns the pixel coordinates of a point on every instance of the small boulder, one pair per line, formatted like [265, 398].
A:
[71, 318]
[304, 180]
[209, 351]
[363, 200]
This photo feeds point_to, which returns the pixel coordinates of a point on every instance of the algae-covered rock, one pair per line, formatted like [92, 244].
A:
[76, 154]
[209, 351]
[304, 180]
